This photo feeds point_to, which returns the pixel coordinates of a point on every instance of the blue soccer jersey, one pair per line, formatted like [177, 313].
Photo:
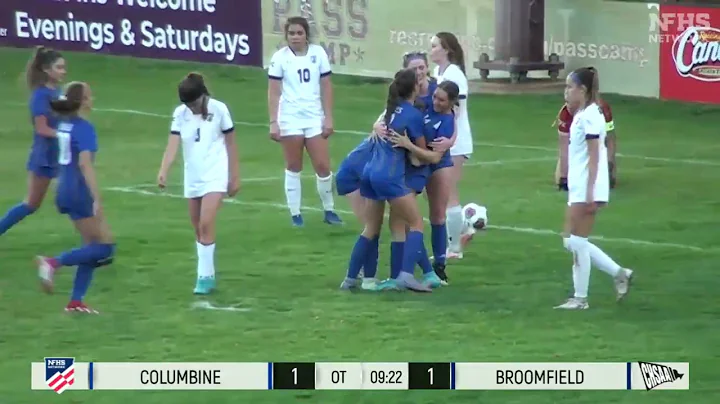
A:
[43, 158]
[439, 125]
[75, 136]
[384, 175]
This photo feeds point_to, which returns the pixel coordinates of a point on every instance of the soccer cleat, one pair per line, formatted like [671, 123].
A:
[386, 285]
[440, 272]
[369, 284]
[623, 281]
[332, 218]
[432, 280]
[407, 281]
[46, 272]
[297, 221]
[349, 284]
[204, 286]
[76, 306]
[574, 303]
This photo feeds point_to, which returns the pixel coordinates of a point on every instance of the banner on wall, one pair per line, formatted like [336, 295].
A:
[690, 54]
[213, 31]
[368, 38]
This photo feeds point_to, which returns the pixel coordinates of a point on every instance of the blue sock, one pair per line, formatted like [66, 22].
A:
[396, 257]
[14, 216]
[411, 253]
[90, 254]
[358, 256]
[438, 239]
[371, 260]
[424, 261]
[83, 277]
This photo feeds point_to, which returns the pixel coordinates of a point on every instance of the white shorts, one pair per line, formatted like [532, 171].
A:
[463, 147]
[198, 189]
[577, 194]
[307, 128]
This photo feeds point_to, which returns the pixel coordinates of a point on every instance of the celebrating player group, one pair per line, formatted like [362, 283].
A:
[418, 144]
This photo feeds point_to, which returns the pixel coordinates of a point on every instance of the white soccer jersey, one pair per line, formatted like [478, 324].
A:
[587, 124]
[464, 142]
[204, 150]
[300, 102]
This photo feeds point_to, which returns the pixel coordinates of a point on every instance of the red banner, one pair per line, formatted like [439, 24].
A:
[690, 53]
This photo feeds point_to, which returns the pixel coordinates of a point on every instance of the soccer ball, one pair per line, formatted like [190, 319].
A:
[476, 217]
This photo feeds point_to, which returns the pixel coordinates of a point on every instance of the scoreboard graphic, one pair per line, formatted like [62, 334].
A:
[362, 376]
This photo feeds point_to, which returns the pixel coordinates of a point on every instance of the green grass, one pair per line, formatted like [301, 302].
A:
[663, 221]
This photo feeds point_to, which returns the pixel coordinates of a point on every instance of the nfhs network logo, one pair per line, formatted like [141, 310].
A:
[654, 374]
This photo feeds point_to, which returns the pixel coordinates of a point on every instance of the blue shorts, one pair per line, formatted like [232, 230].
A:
[43, 171]
[75, 207]
[377, 188]
[417, 183]
[445, 162]
[347, 179]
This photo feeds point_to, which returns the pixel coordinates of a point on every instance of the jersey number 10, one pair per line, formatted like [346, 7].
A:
[304, 75]
[65, 151]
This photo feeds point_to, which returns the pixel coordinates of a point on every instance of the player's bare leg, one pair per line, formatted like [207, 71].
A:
[293, 147]
[561, 170]
[317, 148]
[357, 204]
[37, 189]
[454, 216]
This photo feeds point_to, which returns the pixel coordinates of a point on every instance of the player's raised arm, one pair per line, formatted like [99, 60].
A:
[170, 153]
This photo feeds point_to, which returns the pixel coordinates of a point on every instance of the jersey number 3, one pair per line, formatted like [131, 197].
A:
[197, 135]
[65, 150]
[304, 75]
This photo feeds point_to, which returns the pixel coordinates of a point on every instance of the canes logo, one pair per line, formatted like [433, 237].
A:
[654, 374]
[696, 53]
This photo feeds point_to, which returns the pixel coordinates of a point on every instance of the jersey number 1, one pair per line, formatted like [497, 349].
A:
[304, 75]
[65, 151]
[197, 135]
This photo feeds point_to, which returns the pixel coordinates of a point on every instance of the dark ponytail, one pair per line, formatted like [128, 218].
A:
[41, 60]
[70, 103]
[191, 89]
[401, 88]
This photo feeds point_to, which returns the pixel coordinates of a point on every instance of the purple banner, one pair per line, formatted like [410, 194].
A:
[214, 31]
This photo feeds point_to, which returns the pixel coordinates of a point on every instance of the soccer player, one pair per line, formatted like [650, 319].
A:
[205, 128]
[45, 71]
[448, 55]
[300, 103]
[563, 121]
[439, 123]
[384, 179]
[588, 188]
[78, 196]
[419, 62]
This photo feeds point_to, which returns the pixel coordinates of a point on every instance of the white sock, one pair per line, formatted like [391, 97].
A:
[454, 222]
[581, 253]
[206, 260]
[325, 190]
[603, 261]
[293, 191]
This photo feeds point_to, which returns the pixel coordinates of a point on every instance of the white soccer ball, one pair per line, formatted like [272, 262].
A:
[476, 217]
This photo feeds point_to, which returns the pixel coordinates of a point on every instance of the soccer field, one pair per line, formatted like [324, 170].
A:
[663, 222]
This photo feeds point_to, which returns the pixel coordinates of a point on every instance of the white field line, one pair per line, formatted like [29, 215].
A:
[481, 144]
[528, 230]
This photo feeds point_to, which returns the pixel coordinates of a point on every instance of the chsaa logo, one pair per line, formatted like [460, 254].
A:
[696, 53]
[655, 374]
